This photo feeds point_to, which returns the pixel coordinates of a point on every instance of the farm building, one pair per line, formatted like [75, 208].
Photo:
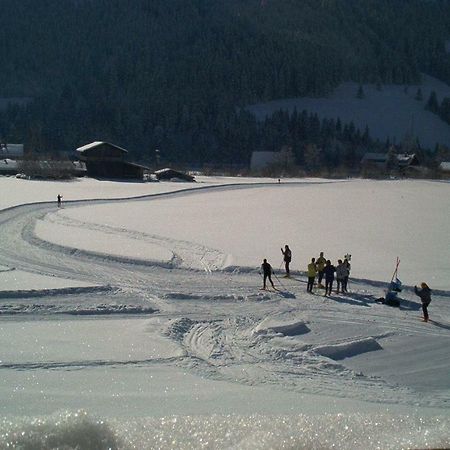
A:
[173, 175]
[107, 160]
[401, 161]
[444, 169]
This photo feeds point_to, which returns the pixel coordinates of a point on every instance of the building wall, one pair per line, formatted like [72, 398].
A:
[113, 169]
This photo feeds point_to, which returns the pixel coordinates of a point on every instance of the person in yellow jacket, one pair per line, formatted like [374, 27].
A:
[320, 263]
[312, 272]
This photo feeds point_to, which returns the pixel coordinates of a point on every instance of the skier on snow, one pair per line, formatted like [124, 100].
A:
[287, 256]
[267, 273]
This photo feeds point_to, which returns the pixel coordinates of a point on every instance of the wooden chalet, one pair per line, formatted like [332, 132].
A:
[107, 160]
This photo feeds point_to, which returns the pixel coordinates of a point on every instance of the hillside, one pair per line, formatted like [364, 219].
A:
[170, 75]
[391, 112]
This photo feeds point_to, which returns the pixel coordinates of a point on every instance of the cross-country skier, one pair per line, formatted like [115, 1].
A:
[58, 199]
[320, 263]
[287, 257]
[425, 295]
[312, 272]
[329, 277]
[267, 273]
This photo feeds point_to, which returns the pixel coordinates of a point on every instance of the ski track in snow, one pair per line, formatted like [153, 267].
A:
[184, 254]
[240, 344]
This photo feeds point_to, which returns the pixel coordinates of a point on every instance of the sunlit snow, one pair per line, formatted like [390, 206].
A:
[140, 323]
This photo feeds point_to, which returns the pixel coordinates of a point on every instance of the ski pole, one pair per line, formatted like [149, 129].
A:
[281, 284]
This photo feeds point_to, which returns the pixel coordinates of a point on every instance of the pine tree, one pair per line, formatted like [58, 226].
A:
[419, 95]
[360, 94]
[432, 103]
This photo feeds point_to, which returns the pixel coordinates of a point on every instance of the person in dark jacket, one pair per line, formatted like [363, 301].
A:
[267, 273]
[425, 295]
[329, 277]
[287, 256]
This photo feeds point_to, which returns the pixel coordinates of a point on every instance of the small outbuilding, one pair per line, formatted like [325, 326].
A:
[444, 169]
[173, 175]
[107, 160]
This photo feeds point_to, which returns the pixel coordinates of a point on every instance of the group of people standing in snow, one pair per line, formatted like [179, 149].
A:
[324, 269]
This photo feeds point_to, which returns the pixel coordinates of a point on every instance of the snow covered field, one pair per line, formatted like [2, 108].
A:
[140, 324]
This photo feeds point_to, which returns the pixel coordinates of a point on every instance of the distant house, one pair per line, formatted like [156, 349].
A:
[380, 161]
[444, 169]
[406, 160]
[261, 160]
[107, 160]
[11, 151]
[173, 175]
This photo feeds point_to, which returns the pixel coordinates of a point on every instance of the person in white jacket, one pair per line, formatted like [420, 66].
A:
[341, 273]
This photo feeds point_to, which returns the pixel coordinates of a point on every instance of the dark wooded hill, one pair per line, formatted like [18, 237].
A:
[174, 75]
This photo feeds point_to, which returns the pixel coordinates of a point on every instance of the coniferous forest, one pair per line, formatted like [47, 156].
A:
[176, 75]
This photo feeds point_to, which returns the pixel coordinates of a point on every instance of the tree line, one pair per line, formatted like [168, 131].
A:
[176, 76]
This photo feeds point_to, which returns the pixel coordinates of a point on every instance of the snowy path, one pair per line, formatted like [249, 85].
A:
[182, 313]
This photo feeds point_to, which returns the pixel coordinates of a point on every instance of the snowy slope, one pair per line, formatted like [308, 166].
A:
[392, 112]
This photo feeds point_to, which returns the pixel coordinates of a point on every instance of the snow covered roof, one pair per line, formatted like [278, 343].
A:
[171, 174]
[405, 159]
[98, 144]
